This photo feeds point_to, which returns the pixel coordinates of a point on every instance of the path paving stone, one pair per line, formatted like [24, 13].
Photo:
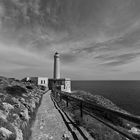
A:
[49, 124]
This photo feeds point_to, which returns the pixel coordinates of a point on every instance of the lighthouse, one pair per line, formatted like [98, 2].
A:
[56, 72]
[62, 84]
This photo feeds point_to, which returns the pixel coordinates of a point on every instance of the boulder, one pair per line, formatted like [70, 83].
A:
[25, 95]
[36, 99]
[32, 103]
[24, 115]
[2, 96]
[19, 134]
[3, 116]
[135, 130]
[7, 106]
[17, 120]
[14, 101]
[5, 133]
[22, 100]
[65, 136]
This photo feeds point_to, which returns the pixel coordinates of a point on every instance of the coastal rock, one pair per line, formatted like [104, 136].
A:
[17, 105]
[22, 100]
[37, 100]
[25, 95]
[16, 120]
[3, 116]
[65, 136]
[7, 107]
[135, 130]
[24, 115]
[19, 134]
[32, 103]
[4, 133]
[2, 96]
[14, 100]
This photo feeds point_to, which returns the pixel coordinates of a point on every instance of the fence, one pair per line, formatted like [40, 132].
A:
[88, 107]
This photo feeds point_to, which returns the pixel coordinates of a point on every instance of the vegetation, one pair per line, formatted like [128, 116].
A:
[15, 90]
[96, 129]
[18, 104]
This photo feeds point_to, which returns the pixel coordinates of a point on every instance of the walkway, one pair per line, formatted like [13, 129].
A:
[48, 124]
[51, 123]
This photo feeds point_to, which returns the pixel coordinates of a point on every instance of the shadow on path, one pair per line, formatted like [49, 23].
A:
[64, 116]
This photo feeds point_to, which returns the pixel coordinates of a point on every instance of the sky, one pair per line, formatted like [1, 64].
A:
[97, 39]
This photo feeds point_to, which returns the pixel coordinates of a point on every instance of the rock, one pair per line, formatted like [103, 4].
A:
[32, 103]
[17, 103]
[3, 116]
[15, 100]
[7, 106]
[65, 137]
[22, 100]
[17, 121]
[135, 130]
[2, 96]
[41, 127]
[24, 115]
[37, 100]
[24, 95]
[5, 133]
[19, 134]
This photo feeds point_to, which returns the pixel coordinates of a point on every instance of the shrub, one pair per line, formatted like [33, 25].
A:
[42, 87]
[15, 90]
[29, 87]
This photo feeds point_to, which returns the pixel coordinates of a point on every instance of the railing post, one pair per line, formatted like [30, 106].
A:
[55, 94]
[81, 110]
[67, 102]
[60, 97]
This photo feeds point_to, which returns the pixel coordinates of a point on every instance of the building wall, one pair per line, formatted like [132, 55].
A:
[67, 86]
[60, 84]
[43, 81]
[38, 80]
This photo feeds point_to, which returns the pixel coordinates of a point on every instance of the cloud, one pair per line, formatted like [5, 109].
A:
[119, 59]
[68, 58]
[18, 58]
[91, 36]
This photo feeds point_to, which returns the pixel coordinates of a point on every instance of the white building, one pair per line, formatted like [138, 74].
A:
[63, 84]
[43, 81]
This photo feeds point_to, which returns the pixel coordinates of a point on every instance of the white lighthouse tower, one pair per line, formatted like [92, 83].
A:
[63, 84]
[56, 73]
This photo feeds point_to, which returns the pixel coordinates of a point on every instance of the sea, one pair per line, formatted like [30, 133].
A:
[125, 94]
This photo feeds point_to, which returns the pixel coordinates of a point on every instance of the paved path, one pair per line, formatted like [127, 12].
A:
[52, 123]
[49, 124]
